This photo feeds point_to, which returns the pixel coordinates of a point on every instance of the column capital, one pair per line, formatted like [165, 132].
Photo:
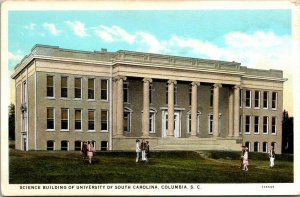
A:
[217, 85]
[172, 81]
[237, 87]
[195, 83]
[147, 80]
[117, 78]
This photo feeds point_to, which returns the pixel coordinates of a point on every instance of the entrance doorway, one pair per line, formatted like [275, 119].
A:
[177, 124]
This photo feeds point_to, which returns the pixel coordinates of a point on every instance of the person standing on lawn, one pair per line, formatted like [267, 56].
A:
[272, 156]
[90, 151]
[137, 150]
[84, 151]
[143, 147]
[242, 157]
[245, 159]
[147, 151]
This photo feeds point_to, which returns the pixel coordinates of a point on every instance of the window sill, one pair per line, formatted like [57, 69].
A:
[62, 130]
[103, 100]
[256, 107]
[80, 131]
[248, 107]
[265, 108]
[91, 131]
[265, 133]
[92, 100]
[274, 109]
[273, 133]
[65, 98]
[247, 133]
[51, 98]
[77, 99]
[50, 130]
[256, 133]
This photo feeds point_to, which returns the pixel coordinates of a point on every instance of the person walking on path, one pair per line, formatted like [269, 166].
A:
[245, 159]
[90, 151]
[143, 147]
[137, 150]
[147, 151]
[272, 156]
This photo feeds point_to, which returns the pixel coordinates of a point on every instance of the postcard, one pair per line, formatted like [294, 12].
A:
[149, 98]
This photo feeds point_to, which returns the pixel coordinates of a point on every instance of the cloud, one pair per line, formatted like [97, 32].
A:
[51, 28]
[114, 34]
[78, 28]
[30, 26]
[14, 59]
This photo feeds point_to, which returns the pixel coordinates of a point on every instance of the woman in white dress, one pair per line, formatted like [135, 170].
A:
[90, 151]
[245, 159]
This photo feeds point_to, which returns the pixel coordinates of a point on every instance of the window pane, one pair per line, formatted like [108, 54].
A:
[77, 82]
[77, 114]
[49, 80]
[64, 81]
[64, 114]
[91, 84]
[91, 115]
[50, 113]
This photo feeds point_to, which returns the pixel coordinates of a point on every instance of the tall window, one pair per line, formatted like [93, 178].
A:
[248, 98]
[151, 93]
[265, 147]
[77, 88]
[24, 94]
[256, 147]
[167, 93]
[257, 99]
[247, 124]
[190, 94]
[248, 145]
[91, 88]
[91, 120]
[189, 123]
[50, 86]
[64, 87]
[211, 101]
[64, 119]
[210, 123]
[77, 145]
[50, 119]
[50, 145]
[152, 121]
[274, 125]
[104, 89]
[126, 121]
[266, 100]
[125, 92]
[265, 124]
[274, 100]
[64, 144]
[104, 120]
[104, 145]
[273, 144]
[256, 124]
[78, 119]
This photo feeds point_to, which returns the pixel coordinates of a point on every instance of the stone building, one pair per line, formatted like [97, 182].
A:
[65, 97]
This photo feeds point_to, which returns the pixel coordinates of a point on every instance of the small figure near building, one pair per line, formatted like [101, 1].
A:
[272, 156]
[143, 147]
[90, 151]
[137, 150]
[245, 159]
[147, 151]
[84, 151]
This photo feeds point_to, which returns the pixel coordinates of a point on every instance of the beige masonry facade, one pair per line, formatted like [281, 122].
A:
[65, 97]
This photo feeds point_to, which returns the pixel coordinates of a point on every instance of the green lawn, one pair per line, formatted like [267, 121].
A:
[164, 167]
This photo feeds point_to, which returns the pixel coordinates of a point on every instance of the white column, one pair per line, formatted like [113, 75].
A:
[171, 107]
[146, 112]
[236, 111]
[230, 113]
[194, 109]
[120, 107]
[216, 110]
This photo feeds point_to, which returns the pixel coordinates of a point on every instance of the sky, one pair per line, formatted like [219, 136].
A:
[255, 38]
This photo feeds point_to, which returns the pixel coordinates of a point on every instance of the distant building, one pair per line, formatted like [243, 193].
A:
[65, 97]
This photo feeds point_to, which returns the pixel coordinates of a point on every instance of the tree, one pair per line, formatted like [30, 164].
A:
[11, 121]
[287, 133]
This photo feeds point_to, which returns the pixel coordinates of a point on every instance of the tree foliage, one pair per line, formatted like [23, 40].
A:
[287, 133]
[11, 121]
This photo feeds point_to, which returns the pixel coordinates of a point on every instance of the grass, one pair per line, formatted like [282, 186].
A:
[164, 167]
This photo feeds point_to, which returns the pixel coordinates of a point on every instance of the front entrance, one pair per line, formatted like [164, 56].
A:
[177, 124]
